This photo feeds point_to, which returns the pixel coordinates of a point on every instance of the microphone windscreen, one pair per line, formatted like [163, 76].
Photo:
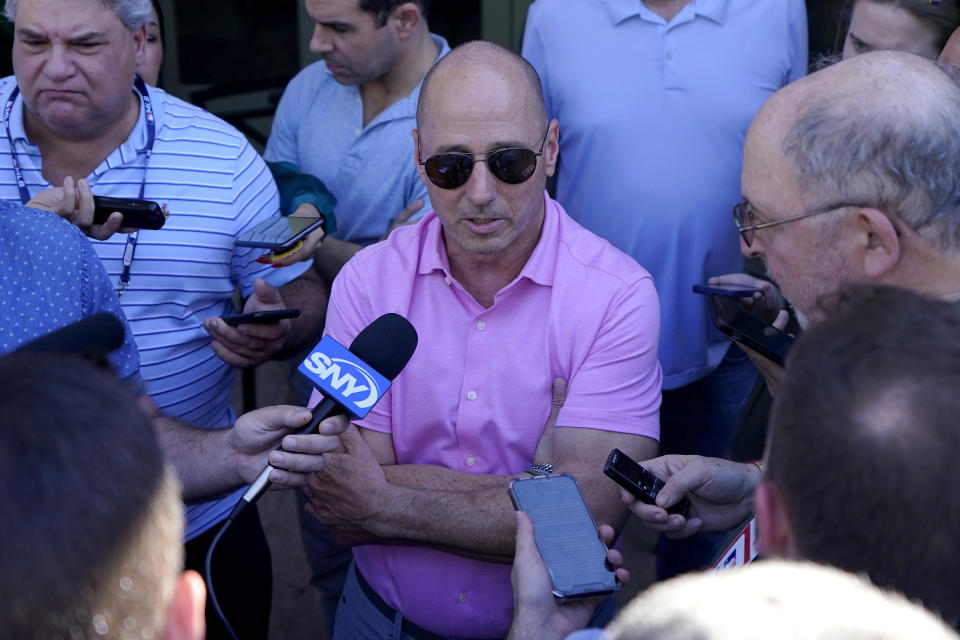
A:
[386, 344]
[100, 332]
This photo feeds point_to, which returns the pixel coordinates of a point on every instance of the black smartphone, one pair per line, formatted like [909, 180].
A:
[279, 233]
[726, 290]
[750, 330]
[638, 481]
[142, 214]
[260, 317]
[566, 536]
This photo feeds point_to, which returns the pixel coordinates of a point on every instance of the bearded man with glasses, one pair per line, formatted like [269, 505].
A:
[508, 295]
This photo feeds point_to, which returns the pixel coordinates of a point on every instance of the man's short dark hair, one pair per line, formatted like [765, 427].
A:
[381, 9]
[91, 514]
[865, 442]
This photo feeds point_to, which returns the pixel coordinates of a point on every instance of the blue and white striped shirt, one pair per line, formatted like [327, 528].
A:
[215, 186]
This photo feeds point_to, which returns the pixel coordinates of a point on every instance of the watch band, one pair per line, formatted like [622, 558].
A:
[541, 469]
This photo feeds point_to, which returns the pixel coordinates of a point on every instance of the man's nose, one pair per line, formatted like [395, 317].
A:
[481, 185]
[59, 62]
[755, 250]
[320, 42]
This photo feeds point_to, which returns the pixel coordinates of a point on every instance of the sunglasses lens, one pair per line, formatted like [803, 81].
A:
[449, 170]
[512, 166]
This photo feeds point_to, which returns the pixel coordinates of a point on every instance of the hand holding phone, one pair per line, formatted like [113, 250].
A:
[641, 483]
[746, 328]
[138, 214]
[566, 536]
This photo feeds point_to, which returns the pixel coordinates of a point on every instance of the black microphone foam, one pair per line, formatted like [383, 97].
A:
[386, 344]
[99, 333]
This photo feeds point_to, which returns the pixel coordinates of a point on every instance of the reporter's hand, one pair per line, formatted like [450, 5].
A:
[303, 454]
[247, 345]
[255, 434]
[766, 304]
[309, 245]
[771, 371]
[74, 202]
[720, 494]
[403, 217]
[536, 615]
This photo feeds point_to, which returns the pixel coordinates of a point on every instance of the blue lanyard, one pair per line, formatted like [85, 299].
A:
[130, 248]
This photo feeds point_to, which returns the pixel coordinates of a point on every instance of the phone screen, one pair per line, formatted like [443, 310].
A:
[566, 535]
[278, 232]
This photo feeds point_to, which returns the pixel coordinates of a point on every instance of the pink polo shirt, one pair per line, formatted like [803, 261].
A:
[476, 395]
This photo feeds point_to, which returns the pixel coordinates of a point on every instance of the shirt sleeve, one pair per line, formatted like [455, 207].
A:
[798, 40]
[255, 198]
[617, 386]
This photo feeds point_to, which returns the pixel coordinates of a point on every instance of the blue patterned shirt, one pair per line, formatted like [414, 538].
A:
[49, 278]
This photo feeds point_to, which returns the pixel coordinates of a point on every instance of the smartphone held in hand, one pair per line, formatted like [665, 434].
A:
[566, 536]
[727, 290]
[279, 233]
[139, 214]
[750, 330]
[260, 317]
[645, 486]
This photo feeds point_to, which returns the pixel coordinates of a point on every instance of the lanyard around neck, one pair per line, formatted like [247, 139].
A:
[131, 246]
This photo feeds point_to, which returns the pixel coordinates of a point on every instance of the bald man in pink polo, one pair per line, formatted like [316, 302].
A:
[507, 294]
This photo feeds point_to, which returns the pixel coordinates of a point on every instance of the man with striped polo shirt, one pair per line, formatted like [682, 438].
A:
[75, 115]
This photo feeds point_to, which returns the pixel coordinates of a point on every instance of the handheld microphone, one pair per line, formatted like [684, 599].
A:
[352, 380]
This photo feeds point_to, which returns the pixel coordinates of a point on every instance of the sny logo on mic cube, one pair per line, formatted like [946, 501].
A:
[339, 374]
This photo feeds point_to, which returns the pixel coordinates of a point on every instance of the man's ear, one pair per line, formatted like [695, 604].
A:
[880, 242]
[185, 614]
[140, 44]
[551, 147]
[775, 535]
[416, 156]
[405, 18]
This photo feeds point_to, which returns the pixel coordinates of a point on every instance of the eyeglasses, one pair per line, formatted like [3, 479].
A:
[747, 223]
[512, 165]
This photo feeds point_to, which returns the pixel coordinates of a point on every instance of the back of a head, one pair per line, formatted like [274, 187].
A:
[92, 515]
[881, 129]
[773, 599]
[132, 13]
[863, 442]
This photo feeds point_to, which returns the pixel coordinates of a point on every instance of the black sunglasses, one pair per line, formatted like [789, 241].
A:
[513, 166]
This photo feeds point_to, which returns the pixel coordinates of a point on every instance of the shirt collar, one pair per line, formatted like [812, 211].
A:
[540, 267]
[620, 10]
